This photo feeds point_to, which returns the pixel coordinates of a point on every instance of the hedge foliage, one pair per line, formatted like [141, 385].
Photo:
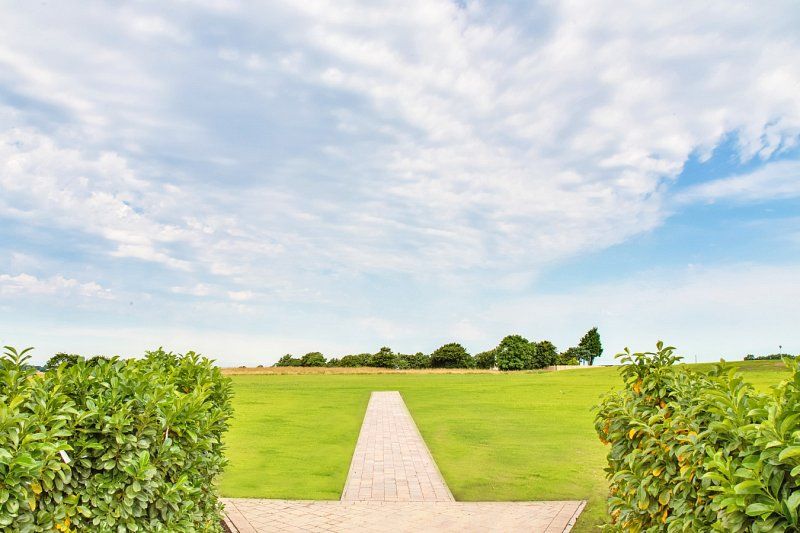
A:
[112, 445]
[700, 452]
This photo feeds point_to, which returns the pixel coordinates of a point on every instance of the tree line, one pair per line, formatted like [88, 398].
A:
[514, 352]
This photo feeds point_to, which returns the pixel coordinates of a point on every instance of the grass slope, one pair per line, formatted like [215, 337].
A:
[495, 436]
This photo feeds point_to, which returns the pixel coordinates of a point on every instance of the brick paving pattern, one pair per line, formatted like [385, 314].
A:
[257, 516]
[394, 485]
[391, 462]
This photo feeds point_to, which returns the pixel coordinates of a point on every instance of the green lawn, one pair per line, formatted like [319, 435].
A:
[516, 436]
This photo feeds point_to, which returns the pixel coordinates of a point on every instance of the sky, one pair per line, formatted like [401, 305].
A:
[249, 179]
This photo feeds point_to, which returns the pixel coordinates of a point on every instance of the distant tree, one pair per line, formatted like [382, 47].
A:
[514, 353]
[385, 358]
[573, 356]
[591, 341]
[351, 361]
[485, 359]
[99, 359]
[60, 358]
[333, 361]
[312, 359]
[749, 357]
[288, 360]
[770, 357]
[417, 360]
[451, 355]
[546, 355]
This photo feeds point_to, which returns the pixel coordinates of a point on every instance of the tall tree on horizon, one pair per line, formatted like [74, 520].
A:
[591, 342]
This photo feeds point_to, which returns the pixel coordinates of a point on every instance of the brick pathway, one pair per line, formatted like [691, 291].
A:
[391, 462]
[256, 516]
[394, 485]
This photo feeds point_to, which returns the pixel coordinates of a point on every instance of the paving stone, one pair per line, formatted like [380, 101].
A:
[544, 517]
[392, 457]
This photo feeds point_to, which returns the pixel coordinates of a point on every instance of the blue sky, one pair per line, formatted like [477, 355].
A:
[249, 179]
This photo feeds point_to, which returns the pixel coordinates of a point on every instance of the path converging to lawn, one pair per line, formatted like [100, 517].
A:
[391, 462]
[394, 485]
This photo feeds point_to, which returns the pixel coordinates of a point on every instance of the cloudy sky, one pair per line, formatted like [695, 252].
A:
[249, 178]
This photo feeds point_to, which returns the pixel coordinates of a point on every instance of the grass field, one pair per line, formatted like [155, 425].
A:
[495, 436]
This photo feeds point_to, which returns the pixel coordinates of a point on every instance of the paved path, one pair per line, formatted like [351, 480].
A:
[394, 485]
[391, 462]
[256, 516]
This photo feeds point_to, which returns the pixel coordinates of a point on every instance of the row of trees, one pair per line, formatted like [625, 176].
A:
[513, 353]
[770, 357]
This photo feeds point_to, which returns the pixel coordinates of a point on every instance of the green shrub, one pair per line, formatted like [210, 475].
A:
[61, 358]
[385, 358]
[451, 355]
[700, 452]
[514, 353]
[97, 359]
[312, 359]
[573, 356]
[288, 360]
[112, 445]
[417, 360]
[485, 360]
[352, 361]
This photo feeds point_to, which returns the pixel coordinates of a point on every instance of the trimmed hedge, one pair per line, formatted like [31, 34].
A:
[700, 452]
[112, 445]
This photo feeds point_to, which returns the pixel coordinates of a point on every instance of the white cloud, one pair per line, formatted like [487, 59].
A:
[484, 138]
[241, 296]
[154, 26]
[776, 180]
[302, 150]
[46, 183]
[200, 289]
[29, 285]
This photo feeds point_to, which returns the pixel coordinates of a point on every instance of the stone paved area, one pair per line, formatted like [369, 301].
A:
[257, 516]
[394, 485]
[391, 461]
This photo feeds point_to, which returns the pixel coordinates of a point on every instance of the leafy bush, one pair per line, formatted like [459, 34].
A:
[700, 452]
[355, 360]
[61, 358]
[573, 356]
[288, 360]
[451, 355]
[312, 359]
[417, 360]
[98, 359]
[112, 445]
[514, 353]
[385, 358]
[485, 360]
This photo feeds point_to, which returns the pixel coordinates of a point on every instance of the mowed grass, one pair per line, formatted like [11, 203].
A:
[495, 436]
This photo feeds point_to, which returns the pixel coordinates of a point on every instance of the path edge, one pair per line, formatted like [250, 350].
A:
[572, 521]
